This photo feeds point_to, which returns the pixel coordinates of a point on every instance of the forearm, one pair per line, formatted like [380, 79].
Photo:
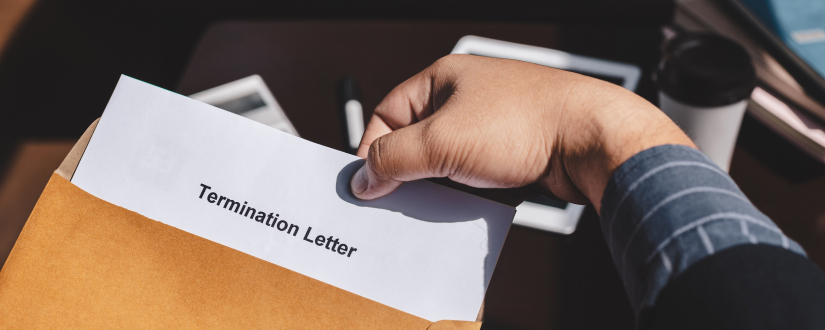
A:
[494, 123]
[668, 208]
[748, 286]
[605, 127]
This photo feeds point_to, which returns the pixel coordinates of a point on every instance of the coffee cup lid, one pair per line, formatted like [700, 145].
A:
[705, 69]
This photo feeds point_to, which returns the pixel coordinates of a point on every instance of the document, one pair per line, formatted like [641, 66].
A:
[425, 249]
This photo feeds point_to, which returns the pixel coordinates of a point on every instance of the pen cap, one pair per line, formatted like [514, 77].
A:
[348, 89]
[705, 70]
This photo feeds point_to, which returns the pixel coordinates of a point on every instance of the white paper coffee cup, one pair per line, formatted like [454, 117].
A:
[713, 129]
[704, 81]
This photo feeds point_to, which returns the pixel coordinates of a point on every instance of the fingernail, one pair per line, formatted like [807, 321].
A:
[360, 181]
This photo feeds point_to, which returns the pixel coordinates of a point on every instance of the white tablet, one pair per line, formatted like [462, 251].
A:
[542, 212]
[623, 74]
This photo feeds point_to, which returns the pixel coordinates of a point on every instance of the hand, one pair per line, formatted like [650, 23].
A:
[495, 123]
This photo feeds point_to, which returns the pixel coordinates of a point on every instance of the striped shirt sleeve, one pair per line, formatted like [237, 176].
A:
[670, 206]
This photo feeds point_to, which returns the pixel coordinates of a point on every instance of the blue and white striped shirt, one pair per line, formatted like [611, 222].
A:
[670, 206]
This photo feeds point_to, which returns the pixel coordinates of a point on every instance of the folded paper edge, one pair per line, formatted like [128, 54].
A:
[454, 325]
[69, 164]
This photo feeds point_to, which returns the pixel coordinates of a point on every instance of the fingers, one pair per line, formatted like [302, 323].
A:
[393, 158]
[407, 104]
[376, 128]
[393, 144]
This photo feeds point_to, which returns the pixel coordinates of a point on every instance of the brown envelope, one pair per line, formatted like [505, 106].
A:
[81, 262]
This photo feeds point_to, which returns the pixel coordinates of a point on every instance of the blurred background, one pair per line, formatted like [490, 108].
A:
[60, 60]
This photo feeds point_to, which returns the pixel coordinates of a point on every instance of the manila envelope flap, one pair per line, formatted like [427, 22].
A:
[81, 262]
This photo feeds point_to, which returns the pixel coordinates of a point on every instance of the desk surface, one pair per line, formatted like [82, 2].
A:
[302, 62]
[542, 280]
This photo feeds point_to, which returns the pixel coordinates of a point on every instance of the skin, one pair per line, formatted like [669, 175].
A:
[496, 123]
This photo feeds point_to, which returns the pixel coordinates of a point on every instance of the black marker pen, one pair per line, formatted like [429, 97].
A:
[351, 111]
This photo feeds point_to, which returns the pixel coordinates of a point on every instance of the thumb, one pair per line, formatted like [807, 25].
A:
[393, 158]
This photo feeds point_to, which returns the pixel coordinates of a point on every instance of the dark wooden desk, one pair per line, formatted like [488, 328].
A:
[543, 280]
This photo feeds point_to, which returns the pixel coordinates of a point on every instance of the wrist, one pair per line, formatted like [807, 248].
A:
[617, 126]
